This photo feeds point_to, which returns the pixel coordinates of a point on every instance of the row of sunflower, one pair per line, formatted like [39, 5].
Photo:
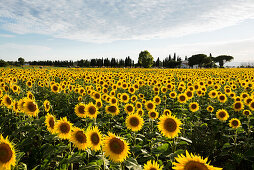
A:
[157, 113]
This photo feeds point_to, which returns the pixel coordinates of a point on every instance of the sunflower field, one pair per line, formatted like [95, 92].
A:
[126, 118]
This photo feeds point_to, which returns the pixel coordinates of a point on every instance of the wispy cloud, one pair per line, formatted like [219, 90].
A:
[7, 35]
[105, 21]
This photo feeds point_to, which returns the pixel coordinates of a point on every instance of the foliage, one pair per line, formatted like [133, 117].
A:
[222, 59]
[145, 59]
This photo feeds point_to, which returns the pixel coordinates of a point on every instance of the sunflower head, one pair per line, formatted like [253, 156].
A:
[182, 98]
[116, 148]
[91, 110]
[50, 122]
[79, 138]
[169, 126]
[210, 108]
[46, 105]
[153, 114]
[149, 105]
[247, 113]
[194, 106]
[80, 110]
[238, 106]
[112, 109]
[94, 138]
[234, 123]
[134, 122]
[30, 107]
[7, 101]
[222, 115]
[63, 128]
[129, 108]
[166, 112]
[7, 154]
[152, 165]
[190, 162]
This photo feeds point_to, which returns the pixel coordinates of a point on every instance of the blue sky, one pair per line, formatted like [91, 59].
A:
[84, 29]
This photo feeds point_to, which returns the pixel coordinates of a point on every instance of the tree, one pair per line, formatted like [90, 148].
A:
[3, 63]
[145, 59]
[21, 61]
[222, 59]
[158, 62]
[196, 60]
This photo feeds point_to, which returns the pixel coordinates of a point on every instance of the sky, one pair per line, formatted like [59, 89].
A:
[85, 29]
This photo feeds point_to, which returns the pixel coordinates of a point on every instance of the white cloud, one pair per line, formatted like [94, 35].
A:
[105, 21]
[7, 35]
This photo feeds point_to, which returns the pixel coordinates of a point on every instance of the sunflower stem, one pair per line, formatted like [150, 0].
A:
[235, 137]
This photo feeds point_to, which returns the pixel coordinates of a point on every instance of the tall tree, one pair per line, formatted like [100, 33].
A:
[196, 60]
[222, 59]
[145, 59]
[21, 61]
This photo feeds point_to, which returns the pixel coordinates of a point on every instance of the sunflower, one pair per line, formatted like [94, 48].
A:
[234, 123]
[134, 122]
[7, 154]
[80, 110]
[182, 98]
[91, 110]
[222, 115]
[251, 105]
[134, 98]
[190, 162]
[21, 103]
[238, 106]
[153, 114]
[112, 109]
[125, 98]
[172, 95]
[166, 112]
[213, 94]
[30, 107]
[7, 101]
[50, 122]
[247, 113]
[189, 94]
[98, 104]
[129, 108]
[138, 105]
[152, 165]
[46, 105]
[113, 100]
[15, 107]
[157, 100]
[169, 126]
[94, 138]
[149, 105]
[63, 128]
[140, 112]
[194, 106]
[29, 84]
[222, 98]
[55, 88]
[210, 108]
[79, 138]
[30, 95]
[116, 148]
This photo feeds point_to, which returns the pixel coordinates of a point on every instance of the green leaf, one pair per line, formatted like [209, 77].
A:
[132, 164]
[185, 139]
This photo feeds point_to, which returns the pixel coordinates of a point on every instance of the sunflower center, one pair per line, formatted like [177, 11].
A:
[170, 125]
[81, 109]
[112, 109]
[95, 138]
[80, 137]
[29, 83]
[134, 121]
[65, 128]
[222, 114]
[98, 104]
[124, 97]
[129, 108]
[150, 105]
[51, 122]
[153, 114]
[55, 88]
[252, 105]
[5, 153]
[92, 110]
[182, 98]
[235, 123]
[8, 101]
[247, 113]
[113, 101]
[193, 165]
[116, 145]
[31, 107]
[193, 106]
[238, 105]
[189, 94]
[222, 97]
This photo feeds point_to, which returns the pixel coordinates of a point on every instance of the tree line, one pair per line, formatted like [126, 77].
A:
[145, 60]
